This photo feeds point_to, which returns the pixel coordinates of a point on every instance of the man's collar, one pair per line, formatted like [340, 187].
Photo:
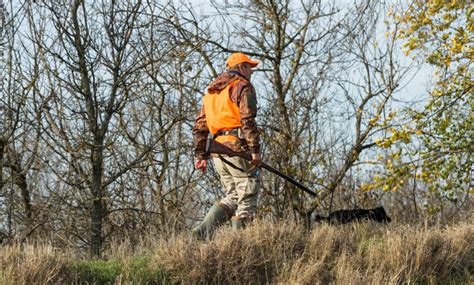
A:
[235, 72]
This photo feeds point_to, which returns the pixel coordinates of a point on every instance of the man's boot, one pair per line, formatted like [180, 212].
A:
[216, 216]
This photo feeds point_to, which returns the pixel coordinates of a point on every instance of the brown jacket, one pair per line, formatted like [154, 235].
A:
[242, 94]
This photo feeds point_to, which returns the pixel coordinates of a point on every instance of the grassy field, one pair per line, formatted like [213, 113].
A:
[363, 253]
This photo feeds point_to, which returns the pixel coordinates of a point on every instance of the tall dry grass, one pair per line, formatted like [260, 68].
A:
[361, 253]
[282, 253]
[32, 264]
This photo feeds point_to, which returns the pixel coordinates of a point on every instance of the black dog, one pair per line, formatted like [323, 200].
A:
[346, 216]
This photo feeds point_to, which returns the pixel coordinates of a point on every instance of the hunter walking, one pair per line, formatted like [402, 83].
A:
[228, 114]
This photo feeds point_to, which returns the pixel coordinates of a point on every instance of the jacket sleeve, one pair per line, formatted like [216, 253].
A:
[247, 102]
[200, 133]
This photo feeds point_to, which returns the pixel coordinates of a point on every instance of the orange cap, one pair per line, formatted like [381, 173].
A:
[239, 57]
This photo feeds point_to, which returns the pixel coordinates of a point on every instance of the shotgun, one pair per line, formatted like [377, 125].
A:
[218, 148]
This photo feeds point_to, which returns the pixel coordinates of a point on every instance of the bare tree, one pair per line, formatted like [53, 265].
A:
[19, 139]
[97, 64]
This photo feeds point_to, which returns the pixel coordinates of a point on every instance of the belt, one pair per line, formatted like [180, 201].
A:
[233, 132]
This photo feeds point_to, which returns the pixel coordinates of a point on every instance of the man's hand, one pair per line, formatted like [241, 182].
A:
[202, 164]
[256, 159]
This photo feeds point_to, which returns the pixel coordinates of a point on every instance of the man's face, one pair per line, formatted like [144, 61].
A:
[246, 70]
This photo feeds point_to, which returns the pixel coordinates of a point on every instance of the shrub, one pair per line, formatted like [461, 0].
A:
[135, 270]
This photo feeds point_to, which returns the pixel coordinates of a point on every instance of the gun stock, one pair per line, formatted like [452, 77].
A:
[218, 148]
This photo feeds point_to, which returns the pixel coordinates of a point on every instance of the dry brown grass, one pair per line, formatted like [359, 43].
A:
[32, 264]
[252, 255]
[364, 253]
[368, 254]
[265, 252]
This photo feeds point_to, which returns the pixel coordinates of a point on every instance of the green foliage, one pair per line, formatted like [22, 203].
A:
[96, 271]
[136, 270]
[440, 133]
[141, 272]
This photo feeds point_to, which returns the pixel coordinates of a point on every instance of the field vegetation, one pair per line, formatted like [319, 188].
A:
[265, 252]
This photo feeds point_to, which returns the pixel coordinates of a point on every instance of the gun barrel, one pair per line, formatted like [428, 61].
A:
[218, 148]
[289, 179]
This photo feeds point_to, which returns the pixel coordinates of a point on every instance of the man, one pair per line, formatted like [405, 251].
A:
[228, 114]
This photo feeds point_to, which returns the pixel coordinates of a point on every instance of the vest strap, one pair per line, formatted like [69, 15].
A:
[235, 166]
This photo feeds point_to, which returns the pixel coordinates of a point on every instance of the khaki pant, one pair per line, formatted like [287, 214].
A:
[241, 188]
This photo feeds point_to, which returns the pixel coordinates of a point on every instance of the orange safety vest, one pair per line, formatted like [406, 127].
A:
[221, 113]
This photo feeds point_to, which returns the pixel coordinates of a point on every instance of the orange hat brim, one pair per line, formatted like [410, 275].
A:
[238, 58]
[253, 63]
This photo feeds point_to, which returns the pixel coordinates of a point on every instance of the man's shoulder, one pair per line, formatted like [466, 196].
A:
[243, 84]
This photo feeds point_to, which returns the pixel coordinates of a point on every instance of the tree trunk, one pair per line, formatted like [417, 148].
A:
[97, 210]
[2, 150]
[25, 195]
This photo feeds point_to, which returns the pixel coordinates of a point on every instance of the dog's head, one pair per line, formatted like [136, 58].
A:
[380, 215]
